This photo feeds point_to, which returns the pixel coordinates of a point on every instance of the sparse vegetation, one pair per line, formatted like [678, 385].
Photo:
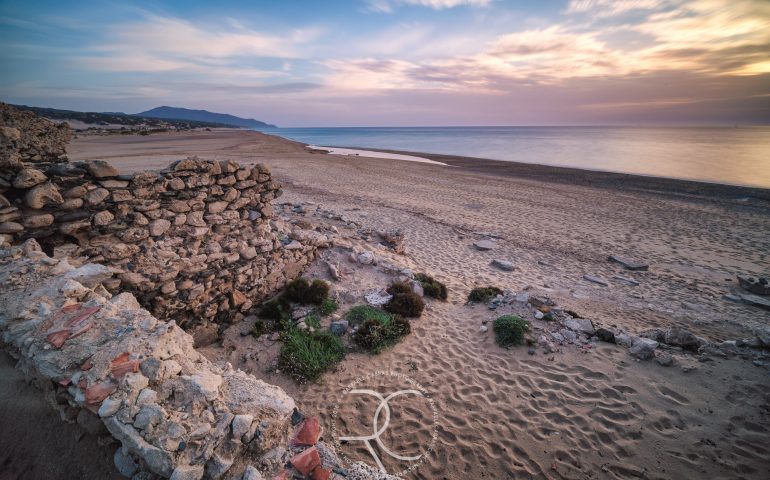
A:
[509, 330]
[483, 294]
[399, 287]
[305, 356]
[432, 287]
[313, 320]
[259, 328]
[373, 335]
[303, 292]
[328, 307]
[361, 313]
[406, 304]
[317, 292]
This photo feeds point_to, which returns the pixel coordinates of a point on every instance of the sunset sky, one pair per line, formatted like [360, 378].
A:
[397, 62]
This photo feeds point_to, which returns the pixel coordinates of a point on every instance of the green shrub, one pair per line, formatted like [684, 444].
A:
[317, 292]
[362, 313]
[399, 287]
[509, 330]
[276, 309]
[259, 328]
[313, 320]
[297, 290]
[405, 304]
[432, 287]
[305, 356]
[328, 306]
[373, 336]
[303, 292]
[483, 294]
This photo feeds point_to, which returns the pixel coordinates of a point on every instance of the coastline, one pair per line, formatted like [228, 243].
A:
[577, 409]
[587, 177]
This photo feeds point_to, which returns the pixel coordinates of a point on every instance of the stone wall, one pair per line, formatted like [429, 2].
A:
[196, 242]
[25, 137]
[175, 413]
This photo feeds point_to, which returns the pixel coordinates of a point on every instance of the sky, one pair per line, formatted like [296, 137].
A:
[397, 62]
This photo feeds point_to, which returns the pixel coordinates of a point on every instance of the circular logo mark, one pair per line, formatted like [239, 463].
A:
[365, 409]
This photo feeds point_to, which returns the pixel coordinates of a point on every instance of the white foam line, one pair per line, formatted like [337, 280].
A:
[370, 153]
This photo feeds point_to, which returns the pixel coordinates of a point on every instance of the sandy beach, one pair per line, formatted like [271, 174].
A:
[577, 412]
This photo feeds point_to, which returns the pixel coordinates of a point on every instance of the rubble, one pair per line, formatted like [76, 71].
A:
[174, 412]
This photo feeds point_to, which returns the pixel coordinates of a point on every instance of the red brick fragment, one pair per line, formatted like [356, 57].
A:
[305, 462]
[121, 365]
[87, 365]
[81, 316]
[320, 473]
[57, 339]
[308, 433]
[284, 474]
[95, 394]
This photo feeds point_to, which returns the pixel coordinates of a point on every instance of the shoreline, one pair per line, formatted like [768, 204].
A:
[569, 175]
[587, 177]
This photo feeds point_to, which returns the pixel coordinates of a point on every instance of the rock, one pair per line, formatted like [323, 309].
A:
[148, 416]
[627, 280]
[679, 337]
[11, 227]
[339, 327]
[334, 271]
[484, 245]
[763, 336]
[365, 258]
[251, 473]
[293, 245]
[417, 288]
[159, 227]
[187, 472]
[628, 264]
[596, 280]
[757, 287]
[580, 325]
[539, 315]
[665, 359]
[247, 252]
[42, 195]
[502, 265]
[101, 169]
[756, 300]
[483, 329]
[206, 383]
[109, 407]
[102, 218]
[28, 178]
[217, 207]
[378, 298]
[97, 196]
[38, 221]
[624, 340]
[218, 465]
[146, 397]
[125, 465]
[241, 425]
[605, 335]
[157, 460]
[643, 349]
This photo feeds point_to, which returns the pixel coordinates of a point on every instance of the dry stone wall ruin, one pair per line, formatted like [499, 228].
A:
[196, 242]
[174, 413]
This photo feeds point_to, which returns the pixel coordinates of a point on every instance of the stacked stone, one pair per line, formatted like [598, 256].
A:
[175, 413]
[192, 241]
[25, 137]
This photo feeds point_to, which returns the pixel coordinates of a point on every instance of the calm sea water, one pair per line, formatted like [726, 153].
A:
[738, 156]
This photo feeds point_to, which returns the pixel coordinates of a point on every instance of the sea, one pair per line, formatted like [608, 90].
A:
[729, 155]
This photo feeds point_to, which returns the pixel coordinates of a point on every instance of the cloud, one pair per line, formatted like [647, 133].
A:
[387, 6]
[611, 8]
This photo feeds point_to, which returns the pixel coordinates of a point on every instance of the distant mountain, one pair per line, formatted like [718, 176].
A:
[176, 113]
[116, 118]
